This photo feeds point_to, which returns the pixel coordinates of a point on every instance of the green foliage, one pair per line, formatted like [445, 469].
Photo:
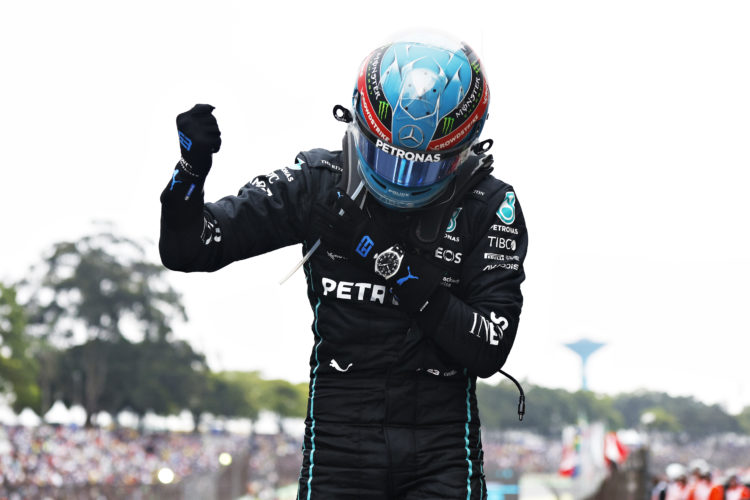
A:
[164, 377]
[658, 419]
[549, 410]
[693, 417]
[250, 384]
[279, 396]
[589, 403]
[89, 289]
[743, 419]
[17, 367]
[83, 296]
[284, 398]
[227, 397]
[100, 317]
[497, 405]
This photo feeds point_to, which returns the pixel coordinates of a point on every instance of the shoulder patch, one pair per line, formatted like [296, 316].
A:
[320, 158]
[507, 209]
[298, 164]
[488, 189]
[478, 193]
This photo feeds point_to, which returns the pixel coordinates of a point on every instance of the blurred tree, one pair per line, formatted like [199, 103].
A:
[284, 399]
[167, 377]
[497, 405]
[159, 376]
[281, 397]
[597, 407]
[17, 368]
[695, 418]
[658, 419]
[48, 358]
[549, 410]
[99, 288]
[227, 398]
[743, 419]
[251, 384]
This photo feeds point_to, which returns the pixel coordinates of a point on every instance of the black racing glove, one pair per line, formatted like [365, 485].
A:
[199, 135]
[344, 227]
[199, 138]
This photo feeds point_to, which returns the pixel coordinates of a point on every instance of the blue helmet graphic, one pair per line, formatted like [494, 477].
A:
[411, 75]
[419, 107]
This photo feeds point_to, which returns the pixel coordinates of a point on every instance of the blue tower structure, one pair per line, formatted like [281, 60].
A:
[584, 348]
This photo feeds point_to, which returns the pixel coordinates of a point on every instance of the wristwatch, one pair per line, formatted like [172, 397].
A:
[388, 261]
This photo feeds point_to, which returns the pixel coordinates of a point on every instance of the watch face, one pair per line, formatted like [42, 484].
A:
[387, 263]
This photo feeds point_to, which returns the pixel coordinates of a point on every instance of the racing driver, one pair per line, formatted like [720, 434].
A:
[413, 255]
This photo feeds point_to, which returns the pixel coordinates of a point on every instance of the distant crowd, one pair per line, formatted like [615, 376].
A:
[521, 452]
[714, 468]
[699, 481]
[37, 460]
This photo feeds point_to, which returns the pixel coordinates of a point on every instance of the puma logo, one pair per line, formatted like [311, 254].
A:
[334, 364]
[409, 276]
[174, 179]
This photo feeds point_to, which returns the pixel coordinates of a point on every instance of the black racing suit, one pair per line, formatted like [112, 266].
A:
[392, 410]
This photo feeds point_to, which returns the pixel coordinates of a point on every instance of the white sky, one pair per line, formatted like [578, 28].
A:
[622, 125]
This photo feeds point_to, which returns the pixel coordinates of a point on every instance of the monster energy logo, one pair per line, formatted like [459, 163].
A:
[448, 124]
[383, 107]
[475, 66]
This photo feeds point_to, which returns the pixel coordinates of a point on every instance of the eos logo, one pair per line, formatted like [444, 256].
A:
[448, 255]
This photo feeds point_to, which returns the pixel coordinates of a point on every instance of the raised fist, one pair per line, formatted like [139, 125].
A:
[199, 138]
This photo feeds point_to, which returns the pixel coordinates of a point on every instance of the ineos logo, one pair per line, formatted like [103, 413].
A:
[411, 136]
[448, 255]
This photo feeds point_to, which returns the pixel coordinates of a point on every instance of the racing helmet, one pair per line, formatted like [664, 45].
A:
[419, 105]
[676, 471]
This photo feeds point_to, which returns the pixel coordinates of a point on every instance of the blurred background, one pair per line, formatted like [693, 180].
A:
[622, 126]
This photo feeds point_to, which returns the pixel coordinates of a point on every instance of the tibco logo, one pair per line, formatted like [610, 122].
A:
[502, 243]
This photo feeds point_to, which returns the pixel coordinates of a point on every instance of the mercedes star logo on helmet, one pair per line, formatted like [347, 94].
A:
[411, 136]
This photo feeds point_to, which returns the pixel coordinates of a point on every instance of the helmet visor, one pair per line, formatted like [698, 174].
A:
[405, 167]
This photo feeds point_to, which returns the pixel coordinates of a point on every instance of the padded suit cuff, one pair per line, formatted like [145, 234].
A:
[430, 317]
[182, 198]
